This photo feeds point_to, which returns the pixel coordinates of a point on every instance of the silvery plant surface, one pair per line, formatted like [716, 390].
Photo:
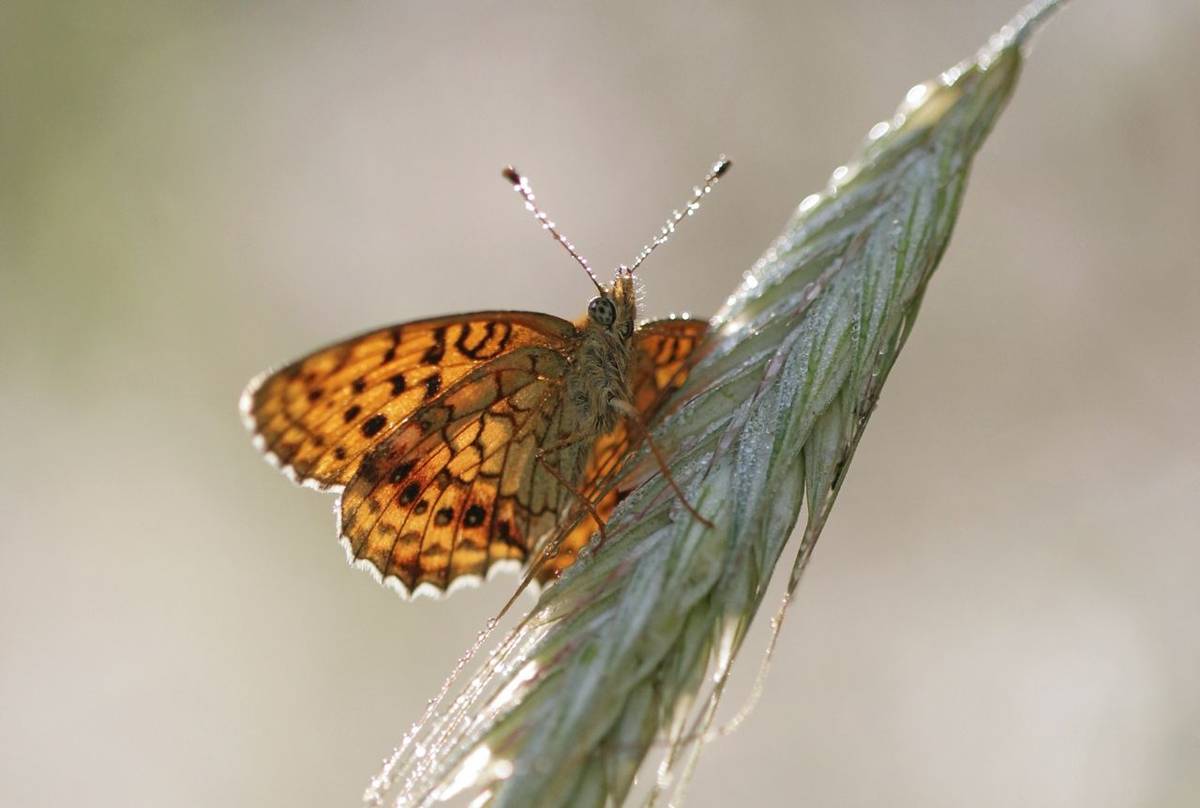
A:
[626, 657]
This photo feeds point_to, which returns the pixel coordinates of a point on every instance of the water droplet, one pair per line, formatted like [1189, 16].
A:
[916, 96]
[952, 75]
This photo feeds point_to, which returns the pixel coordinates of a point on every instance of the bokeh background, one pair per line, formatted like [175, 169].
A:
[1004, 609]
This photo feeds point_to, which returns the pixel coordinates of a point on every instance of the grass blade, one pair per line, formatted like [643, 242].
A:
[630, 651]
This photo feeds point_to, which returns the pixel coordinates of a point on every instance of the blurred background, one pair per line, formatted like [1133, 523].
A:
[1003, 610]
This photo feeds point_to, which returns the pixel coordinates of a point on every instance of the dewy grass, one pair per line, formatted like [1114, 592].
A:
[630, 651]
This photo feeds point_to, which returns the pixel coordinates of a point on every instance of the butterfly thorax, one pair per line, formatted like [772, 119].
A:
[600, 367]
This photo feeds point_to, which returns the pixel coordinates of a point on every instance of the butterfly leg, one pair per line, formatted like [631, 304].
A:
[587, 503]
[635, 417]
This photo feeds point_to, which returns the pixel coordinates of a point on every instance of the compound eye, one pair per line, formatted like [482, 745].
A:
[602, 311]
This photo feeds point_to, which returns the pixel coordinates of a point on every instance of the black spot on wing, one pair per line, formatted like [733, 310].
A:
[437, 350]
[474, 516]
[372, 425]
[432, 385]
[401, 472]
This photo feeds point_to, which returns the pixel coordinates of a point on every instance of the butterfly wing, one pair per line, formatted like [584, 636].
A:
[431, 429]
[319, 416]
[664, 351]
[457, 488]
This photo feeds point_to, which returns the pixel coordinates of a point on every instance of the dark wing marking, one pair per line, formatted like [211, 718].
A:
[318, 416]
[456, 489]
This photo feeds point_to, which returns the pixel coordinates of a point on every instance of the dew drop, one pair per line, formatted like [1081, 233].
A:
[916, 96]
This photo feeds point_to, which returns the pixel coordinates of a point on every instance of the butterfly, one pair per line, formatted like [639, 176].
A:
[460, 444]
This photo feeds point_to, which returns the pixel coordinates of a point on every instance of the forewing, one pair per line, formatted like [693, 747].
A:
[456, 489]
[319, 416]
[664, 350]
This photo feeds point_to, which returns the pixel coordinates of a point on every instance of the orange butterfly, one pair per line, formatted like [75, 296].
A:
[459, 444]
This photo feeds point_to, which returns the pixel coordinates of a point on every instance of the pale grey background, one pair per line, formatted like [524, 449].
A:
[1003, 611]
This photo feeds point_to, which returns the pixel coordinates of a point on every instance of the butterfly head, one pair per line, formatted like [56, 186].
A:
[615, 308]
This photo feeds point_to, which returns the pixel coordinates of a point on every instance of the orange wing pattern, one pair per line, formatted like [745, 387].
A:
[431, 430]
[317, 417]
[456, 489]
[664, 351]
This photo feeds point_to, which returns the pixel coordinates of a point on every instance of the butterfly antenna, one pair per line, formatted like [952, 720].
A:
[521, 186]
[715, 173]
